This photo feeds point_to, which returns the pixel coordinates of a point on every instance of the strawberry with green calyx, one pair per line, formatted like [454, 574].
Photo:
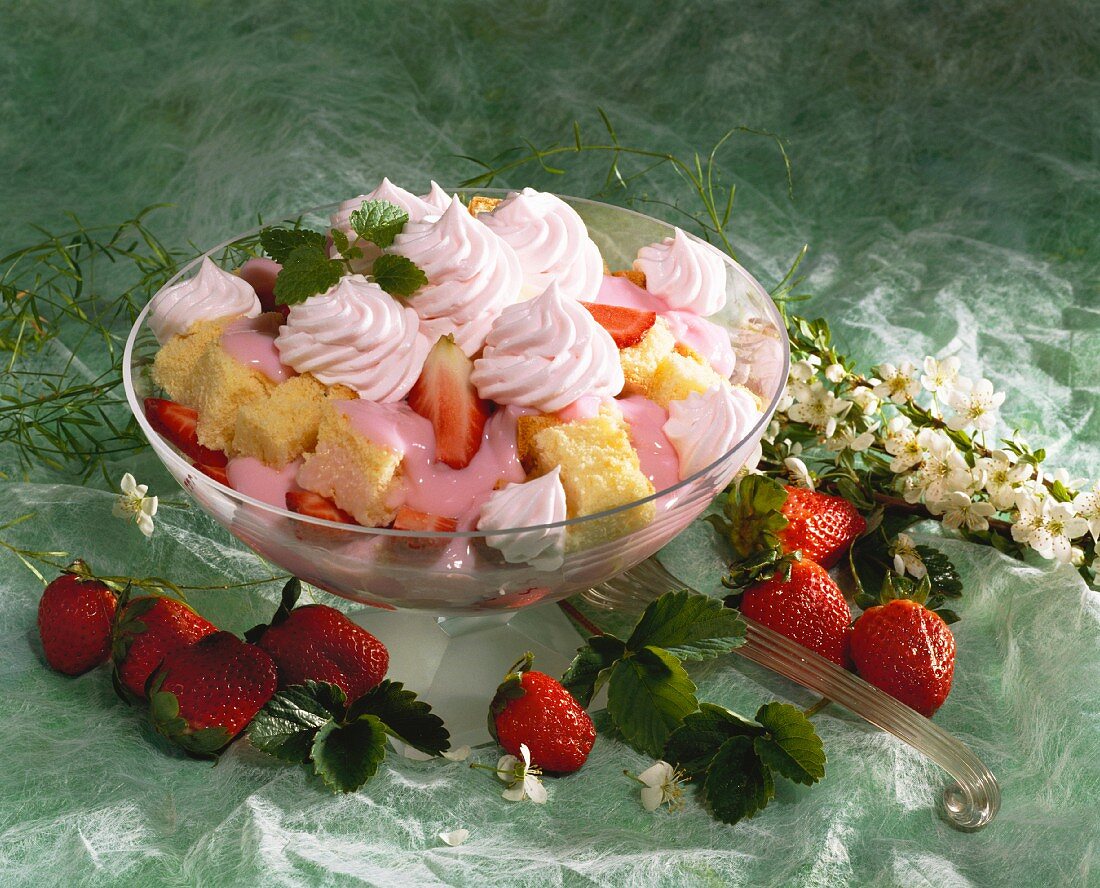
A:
[205, 694]
[902, 647]
[145, 630]
[319, 643]
[752, 518]
[74, 620]
[801, 601]
[531, 708]
[345, 743]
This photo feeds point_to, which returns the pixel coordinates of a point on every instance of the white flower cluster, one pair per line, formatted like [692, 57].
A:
[932, 426]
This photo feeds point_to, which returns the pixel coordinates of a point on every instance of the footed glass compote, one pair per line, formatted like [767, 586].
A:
[452, 611]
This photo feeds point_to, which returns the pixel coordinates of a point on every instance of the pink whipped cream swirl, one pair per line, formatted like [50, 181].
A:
[547, 353]
[551, 241]
[535, 502]
[472, 275]
[705, 427]
[209, 295]
[431, 204]
[356, 335]
[685, 273]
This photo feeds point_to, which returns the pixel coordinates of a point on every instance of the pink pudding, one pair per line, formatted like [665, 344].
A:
[434, 487]
[708, 339]
[251, 341]
[587, 407]
[646, 419]
[252, 478]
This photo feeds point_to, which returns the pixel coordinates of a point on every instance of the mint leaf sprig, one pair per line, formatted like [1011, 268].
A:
[308, 269]
[312, 722]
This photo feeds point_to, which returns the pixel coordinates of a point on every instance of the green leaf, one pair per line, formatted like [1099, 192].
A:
[279, 243]
[737, 784]
[405, 717]
[791, 747]
[583, 674]
[688, 625]
[693, 745]
[379, 222]
[288, 723]
[347, 756]
[397, 275]
[942, 574]
[292, 591]
[648, 696]
[341, 242]
[306, 272]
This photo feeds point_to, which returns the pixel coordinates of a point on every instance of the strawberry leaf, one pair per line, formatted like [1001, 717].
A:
[689, 626]
[292, 591]
[378, 221]
[648, 696]
[347, 756]
[791, 747]
[397, 275]
[693, 745]
[288, 724]
[403, 716]
[942, 575]
[737, 783]
[279, 243]
[164, 712]
[582, 678]
[306, 272]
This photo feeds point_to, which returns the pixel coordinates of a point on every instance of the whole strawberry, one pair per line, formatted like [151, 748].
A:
[74, 621]
[822, 527]
[808, 607]
[907, 651]
[318, 643]
[205, 694]
[534, 709]
[146, 630]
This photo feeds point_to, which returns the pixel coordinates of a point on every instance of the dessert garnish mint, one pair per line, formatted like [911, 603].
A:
[379, 222]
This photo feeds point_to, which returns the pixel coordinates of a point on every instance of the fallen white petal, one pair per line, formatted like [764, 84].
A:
[536, 792]
[459, 754]
[652, 796]
[455, 837]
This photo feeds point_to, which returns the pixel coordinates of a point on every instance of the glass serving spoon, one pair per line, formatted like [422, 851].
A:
[970, 801]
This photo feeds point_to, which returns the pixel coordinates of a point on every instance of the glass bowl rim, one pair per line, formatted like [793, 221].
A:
[180, 463]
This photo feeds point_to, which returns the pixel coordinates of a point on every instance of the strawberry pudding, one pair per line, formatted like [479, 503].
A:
[431, 365]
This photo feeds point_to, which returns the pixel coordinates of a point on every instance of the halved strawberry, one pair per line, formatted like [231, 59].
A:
[445, 396]
[177, 423]
[218, 473]
[305, 502]
[627, 326]
[411, 519]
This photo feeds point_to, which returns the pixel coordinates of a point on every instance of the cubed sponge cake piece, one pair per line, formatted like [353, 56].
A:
[640, 361]
[680, 373]
[174, 366]
[527, 427]
[637, 278]
[279, 427]
[222, 386]
[599, 471]
[479, 204]
[361, 477]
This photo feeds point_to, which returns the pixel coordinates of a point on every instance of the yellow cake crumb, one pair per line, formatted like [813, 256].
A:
[599, 471]
[174, 365]
[222, 386]
[527, 427]
[481, 204]
[637, 278]
[279, 427]
[358, 475]
[678, 375]
[640, 361]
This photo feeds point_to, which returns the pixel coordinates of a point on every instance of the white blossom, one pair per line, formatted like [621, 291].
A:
[959, 510]
[940, 376]
[134, 505]
[943, 470]
[835, 373]
[521, 777]
[899, 384]
[975, 405]
[906, 557]
[1047, 526]
[661, 786]
[819, 408]
[1001, 474]
[1087, 504]
[865, 399]
[844, 437]
[799, 473]
[901, 443]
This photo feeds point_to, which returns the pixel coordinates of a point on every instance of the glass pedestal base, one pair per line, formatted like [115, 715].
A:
[456, 663]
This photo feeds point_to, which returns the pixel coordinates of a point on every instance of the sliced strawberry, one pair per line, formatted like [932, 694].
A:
[411, 519]
[627, 326]
[178, 423]
[445, 396]
[316, 506]
[218, 473]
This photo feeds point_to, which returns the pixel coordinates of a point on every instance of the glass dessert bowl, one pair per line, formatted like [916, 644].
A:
[467, 572]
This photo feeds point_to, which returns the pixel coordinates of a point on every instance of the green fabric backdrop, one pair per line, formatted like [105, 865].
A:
[945, 160]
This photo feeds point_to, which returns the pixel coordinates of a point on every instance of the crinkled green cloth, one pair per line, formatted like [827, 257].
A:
[945, 159]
